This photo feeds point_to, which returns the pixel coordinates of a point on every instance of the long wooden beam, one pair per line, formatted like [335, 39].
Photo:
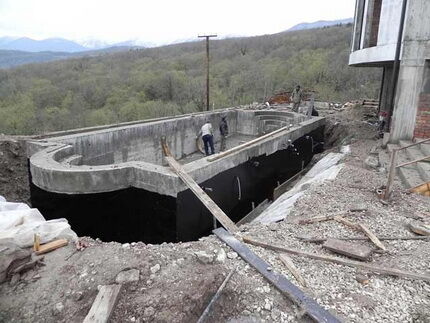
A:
[246, 144]
[198, 191]
[373, 268]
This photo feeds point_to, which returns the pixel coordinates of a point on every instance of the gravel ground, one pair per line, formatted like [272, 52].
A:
[176, 281]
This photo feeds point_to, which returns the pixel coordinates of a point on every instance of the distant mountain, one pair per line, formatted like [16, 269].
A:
[320, 24]
[11, 58]
[50, 44]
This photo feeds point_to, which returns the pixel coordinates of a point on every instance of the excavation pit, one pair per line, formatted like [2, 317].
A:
[113, 183]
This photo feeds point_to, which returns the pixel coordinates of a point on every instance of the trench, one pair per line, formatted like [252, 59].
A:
[134, 214]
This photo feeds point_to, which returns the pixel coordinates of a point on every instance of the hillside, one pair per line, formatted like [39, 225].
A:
[321, 24]
[144, 83]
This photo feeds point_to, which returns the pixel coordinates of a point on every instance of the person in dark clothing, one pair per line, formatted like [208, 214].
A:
[223, 129]
[296, 98]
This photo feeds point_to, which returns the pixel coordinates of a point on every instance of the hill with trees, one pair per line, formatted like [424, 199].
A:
[154, 82]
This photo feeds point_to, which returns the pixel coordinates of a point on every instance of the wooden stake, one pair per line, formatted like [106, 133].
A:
[372, 237]
[351, 263]
[36, 244]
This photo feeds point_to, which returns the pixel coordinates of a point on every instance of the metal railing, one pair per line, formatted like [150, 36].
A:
[393, 165]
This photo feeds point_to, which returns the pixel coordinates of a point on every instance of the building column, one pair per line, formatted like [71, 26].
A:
[409, 87]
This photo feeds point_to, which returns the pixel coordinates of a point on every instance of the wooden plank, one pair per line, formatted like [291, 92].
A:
[47, 247]
[348, 249]
[310, 306]
[202, 196]
[254, 213]
[281, 189]
[319, 240]
[351, 263]
[249, 143]
[419, 229]
[372, 236]
[346, 222]
[215, 298]
[288, 262]
[104, 304]
[316, 219]
[421, 189]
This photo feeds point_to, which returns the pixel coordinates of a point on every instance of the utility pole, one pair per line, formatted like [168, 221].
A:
[207, 67]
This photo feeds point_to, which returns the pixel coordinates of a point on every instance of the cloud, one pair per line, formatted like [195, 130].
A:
[162, 20]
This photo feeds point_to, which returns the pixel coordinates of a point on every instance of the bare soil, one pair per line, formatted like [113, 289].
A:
[14, 184]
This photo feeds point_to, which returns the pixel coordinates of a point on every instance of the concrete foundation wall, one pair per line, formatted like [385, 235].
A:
[131, 156]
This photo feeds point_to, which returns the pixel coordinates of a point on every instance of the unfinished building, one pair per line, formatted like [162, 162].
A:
[113, 182]
[395, 35]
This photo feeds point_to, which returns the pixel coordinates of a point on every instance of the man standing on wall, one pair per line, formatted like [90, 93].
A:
[223, 129]
[296, 98]
[208, 139]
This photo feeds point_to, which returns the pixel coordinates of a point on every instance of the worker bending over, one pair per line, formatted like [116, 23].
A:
[208, 139]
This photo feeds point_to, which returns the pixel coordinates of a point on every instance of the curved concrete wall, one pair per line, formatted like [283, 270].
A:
[131, 156]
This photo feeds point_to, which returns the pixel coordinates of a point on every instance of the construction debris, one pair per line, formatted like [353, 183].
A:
[377, 269]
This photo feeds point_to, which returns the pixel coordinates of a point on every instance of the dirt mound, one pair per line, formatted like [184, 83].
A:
[14, 184]
[355, 122]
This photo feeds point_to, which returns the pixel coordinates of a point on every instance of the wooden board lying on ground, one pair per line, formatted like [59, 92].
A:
[47, 247]
[348, 249]
[319, 240]
[104, 304]
[288, 262]
[311, 307]
[316, 219]
[346, 222]
[351, 263]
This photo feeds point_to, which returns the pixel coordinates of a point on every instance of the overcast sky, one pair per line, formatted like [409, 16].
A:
[160, 21]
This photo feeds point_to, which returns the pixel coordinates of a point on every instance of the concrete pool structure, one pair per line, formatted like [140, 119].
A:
[92, 175]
